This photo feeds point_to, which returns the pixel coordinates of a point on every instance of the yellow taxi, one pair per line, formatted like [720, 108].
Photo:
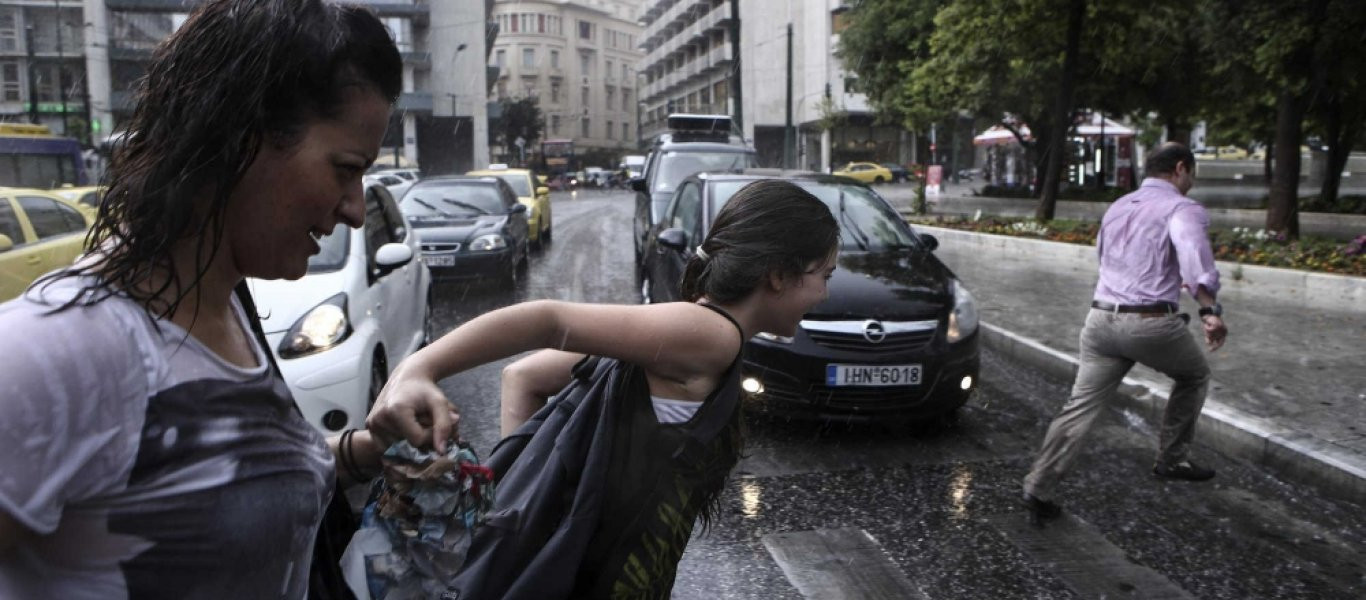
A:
[86, 197]
[866, 172]
[39, 231]
[531, 192]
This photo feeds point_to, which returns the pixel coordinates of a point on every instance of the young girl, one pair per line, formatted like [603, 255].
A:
[763, 265]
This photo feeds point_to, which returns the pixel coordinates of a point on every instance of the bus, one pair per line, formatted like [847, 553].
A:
[558, 155]
[30, 156]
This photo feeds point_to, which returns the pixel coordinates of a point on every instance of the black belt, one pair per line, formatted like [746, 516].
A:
[1158, 307]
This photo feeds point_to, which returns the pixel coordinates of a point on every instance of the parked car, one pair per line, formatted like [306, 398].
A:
[87, 196]
[406, 174]
[897, 337]
[470, 227]
[396, 185]
[360, 309]
[39, 232]
[866, 172]
[1221, 153]
[899, 173]
[694, 143]
[533, 193]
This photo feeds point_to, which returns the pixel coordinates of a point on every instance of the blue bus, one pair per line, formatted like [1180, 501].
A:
[30, 156]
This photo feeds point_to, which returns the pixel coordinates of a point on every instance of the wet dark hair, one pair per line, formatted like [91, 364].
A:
[768, 226]
[237, 74]
[1163, 160]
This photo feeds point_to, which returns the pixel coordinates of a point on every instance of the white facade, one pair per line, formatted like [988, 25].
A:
[578, 59]
[689, 60]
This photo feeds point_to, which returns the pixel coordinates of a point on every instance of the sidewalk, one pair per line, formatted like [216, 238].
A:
[960, 200]
[1289, 389]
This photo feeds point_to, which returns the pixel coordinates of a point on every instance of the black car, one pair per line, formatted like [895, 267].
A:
[899, 173]
[695, 143]
[470, 227]
[897, 336]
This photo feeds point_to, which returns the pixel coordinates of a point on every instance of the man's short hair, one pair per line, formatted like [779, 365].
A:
[1163, 160]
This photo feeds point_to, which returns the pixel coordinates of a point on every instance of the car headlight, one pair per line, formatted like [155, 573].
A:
[766, 336]
[491, 241]
[963, 319]
[322, 327]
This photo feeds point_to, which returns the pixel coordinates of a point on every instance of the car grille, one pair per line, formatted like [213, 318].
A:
[849, 335]
[851, 398]
[441, 247]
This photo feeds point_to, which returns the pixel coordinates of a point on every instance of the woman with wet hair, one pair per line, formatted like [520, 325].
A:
[763, 265]
[153, 449]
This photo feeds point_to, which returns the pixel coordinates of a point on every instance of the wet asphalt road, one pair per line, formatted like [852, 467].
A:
[932, 511]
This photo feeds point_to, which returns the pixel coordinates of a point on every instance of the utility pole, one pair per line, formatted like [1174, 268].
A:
[61, 64]
[32, 78]
[735, 84]
[787, 126]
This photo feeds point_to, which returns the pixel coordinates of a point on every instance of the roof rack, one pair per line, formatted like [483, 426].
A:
[700, 128]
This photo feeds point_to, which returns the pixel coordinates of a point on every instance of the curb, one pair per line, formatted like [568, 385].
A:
[1306, 288]
[1291, 455]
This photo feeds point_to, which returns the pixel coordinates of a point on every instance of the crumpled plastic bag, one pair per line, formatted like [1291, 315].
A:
[416, 528]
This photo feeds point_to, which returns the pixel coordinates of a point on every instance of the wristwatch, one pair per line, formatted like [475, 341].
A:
[1216, 310]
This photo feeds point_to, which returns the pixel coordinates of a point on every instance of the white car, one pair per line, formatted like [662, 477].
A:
[361, 308]
[392, 181]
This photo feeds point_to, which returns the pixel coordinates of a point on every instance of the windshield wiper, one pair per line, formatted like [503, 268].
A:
[858, 233]
[466, 205]
[429, 206]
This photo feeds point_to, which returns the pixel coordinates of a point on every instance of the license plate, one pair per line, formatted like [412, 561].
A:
[871, 375]
[439, 260]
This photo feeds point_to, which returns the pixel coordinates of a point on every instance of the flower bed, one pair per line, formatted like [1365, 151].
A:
[1240, 245]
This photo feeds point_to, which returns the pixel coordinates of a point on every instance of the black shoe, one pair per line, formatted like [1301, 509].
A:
[1041, 511]
[1183, 470]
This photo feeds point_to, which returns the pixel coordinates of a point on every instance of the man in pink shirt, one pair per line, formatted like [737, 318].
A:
[1152, 244]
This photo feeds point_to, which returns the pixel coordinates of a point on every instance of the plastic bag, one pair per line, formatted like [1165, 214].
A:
[416, 528]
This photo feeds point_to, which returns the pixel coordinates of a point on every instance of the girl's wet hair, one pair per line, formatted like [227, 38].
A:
[769, 226]
[237, 74]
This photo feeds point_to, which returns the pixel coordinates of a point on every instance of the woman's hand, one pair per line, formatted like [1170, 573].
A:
[412, 407]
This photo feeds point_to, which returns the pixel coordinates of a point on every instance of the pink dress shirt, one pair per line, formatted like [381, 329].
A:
[1153, 243]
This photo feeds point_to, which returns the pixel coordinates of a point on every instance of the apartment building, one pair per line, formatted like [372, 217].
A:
[689, 63]
[42, 65]
[578, 59]
[440, 121]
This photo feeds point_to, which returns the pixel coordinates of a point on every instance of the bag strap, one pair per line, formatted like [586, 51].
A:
[716, 419]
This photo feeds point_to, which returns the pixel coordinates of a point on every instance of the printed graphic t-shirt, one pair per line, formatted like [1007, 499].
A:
[149, 466]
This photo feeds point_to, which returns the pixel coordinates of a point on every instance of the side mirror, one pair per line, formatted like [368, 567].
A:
[5, 242]
[542, 190]
[517, 208]
[674, 239]
[930, 241]
[638, 184]
[392, 256]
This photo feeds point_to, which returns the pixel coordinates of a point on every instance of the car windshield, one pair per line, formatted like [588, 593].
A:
[674, 166]
[452, 200]
[518, 182]
[866, 222]
[332, 251]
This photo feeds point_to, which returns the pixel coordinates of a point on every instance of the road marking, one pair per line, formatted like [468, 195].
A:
[797, 459]
[839, 564]
[1084, 560]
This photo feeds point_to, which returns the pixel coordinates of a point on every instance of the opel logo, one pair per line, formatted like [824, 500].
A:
[873, 331]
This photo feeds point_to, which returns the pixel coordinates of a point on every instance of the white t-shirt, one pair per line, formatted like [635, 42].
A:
[148, 465]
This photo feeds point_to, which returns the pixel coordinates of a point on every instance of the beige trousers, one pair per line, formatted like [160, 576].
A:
[1110, 345]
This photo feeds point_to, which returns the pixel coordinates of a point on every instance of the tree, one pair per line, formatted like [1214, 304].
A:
[518, 118]
[1340, 56]
[883, 43]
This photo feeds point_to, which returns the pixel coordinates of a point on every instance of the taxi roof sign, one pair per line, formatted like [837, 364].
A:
[498, 167]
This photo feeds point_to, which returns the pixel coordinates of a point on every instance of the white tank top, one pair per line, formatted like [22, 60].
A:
[670, 411]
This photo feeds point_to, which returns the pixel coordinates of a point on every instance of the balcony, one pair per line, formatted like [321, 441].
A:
[721, 55]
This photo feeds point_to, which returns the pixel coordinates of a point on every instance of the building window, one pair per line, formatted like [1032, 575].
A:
[528, 23]
[554, 59]
[9, 30]
[583, 131]
[585, 97]
[611, 99]
[609, 130]
[9, 82]
[500, 58]
[625, 131]
[554, 26]
[554, 93]
[608, 71]
[586, 30]
[625, 99]
[512, 20]
[625, 72]
[585, 64]
[529, 58]
[555, 124]
[540, 23]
